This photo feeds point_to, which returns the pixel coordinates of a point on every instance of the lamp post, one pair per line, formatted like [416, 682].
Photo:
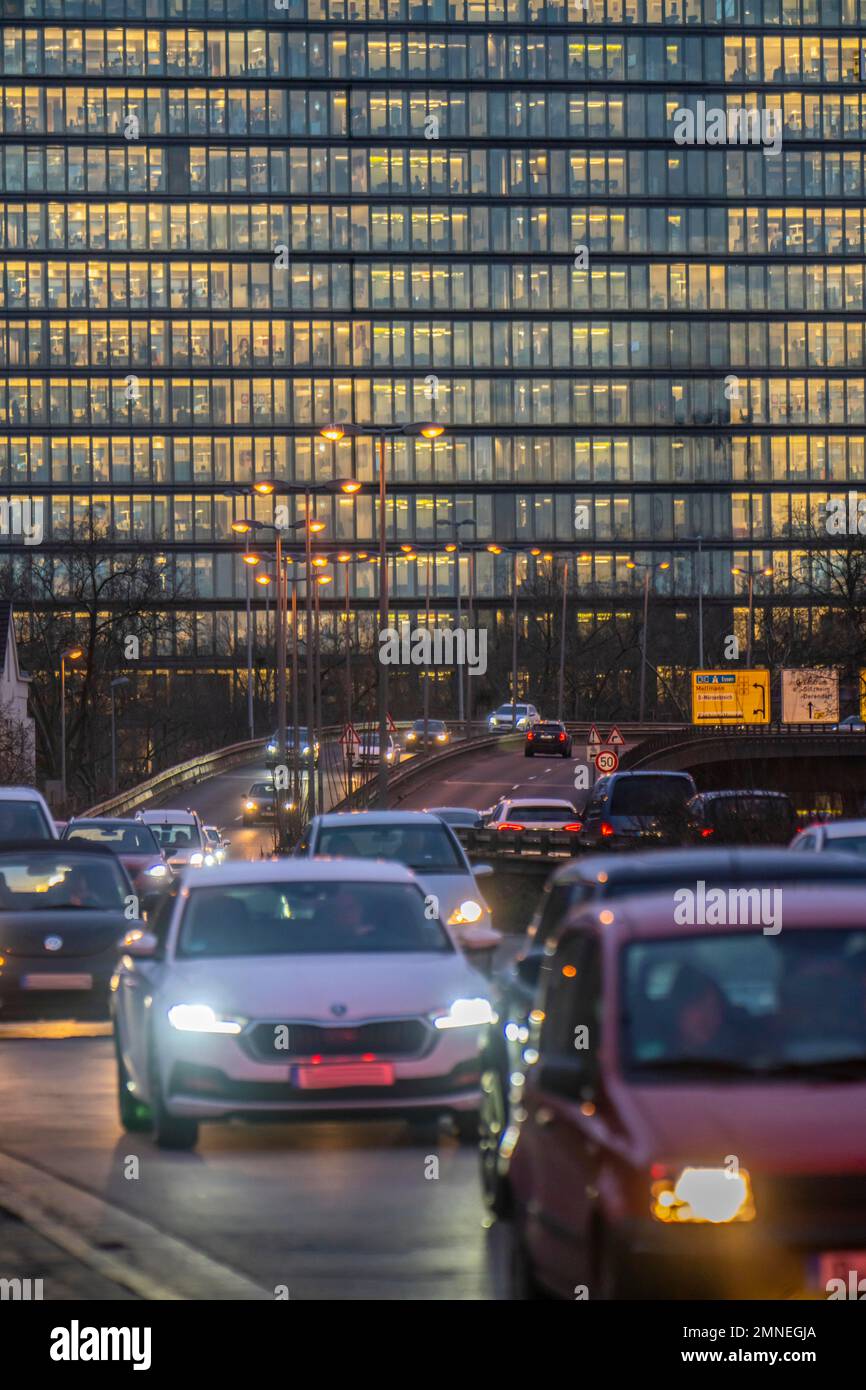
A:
[115, 685]
[700, 541]
[68, 654]
[454, 549]
[751, 575]
[514, 550]
[335, 432]
[245, 528]
[648, 569]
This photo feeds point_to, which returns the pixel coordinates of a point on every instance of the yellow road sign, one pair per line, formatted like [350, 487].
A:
[730, 697]
[863, 695]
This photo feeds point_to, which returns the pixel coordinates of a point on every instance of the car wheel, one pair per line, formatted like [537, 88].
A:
[492, 1118]
[169, 1131]
[523, 1285]
[134, 1114]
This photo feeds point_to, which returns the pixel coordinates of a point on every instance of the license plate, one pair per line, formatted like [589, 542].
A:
[849, 1266]
[332, 1076]
[48, 981]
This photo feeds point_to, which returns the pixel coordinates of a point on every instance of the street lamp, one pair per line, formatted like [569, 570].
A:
[751, 575]
[648, 569]
[452, 549]
[68, 654]
[264, 488]
[335, 432]
[514, 550]
[115, 685]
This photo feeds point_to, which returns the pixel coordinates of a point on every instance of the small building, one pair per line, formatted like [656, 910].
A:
[17, 728]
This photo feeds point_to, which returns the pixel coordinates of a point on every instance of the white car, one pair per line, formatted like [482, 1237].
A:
[510, 717]
[424, 843]
[24, 815]
[292, 989]
[180, 834]
[839, 836]
[366, 753]
[531, 813]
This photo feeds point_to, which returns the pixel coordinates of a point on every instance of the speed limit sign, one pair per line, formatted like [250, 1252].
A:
[606, 761]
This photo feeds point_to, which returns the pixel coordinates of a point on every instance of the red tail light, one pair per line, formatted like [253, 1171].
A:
[562, 738]
[530, 734]
[574, 825]
[510, 825]
[607, 828]
[707, 832]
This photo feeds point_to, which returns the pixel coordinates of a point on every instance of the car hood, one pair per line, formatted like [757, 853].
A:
[762, 1123]
[389, 985]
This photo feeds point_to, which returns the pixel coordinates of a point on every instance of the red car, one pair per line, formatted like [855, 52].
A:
[135, 845]
[693, 1116]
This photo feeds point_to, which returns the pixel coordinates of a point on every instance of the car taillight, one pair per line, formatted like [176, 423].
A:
[510, 825]
[607, 828]
[574, 825]
[530, 734]
[707, 832]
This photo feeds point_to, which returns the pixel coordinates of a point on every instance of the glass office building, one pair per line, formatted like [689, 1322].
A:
[225, 223]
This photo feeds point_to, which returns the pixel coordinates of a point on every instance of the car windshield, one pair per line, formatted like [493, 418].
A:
[847, 844]
[649, 796]
[262, 789]
[177, 836]
[303, 735]
[427, 848]
[40, 882]
[123, 839]
[308, 918]
[548, 728]
[506, 709]
[532, 815]
[435, 726]
[23, 820]
[745, 1003]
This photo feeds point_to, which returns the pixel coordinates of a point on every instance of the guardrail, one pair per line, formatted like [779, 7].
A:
[367, 795]
[181, 775]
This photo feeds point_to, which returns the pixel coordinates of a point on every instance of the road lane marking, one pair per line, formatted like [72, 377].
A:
[148, 1262]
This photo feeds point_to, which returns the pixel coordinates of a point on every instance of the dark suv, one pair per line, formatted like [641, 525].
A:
[630, 810]
[742, 818]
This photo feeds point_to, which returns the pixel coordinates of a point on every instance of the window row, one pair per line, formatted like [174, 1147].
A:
[140, 401]
[262, 53]
[827, 13]
[410, 286]
[237, 344]
[472, 460]
[274, 111]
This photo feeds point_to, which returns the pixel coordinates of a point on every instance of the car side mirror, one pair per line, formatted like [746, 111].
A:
[141, 944]
[482, 870]
[565, 1078]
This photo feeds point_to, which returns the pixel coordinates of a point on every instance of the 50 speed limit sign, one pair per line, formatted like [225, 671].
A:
[606, 761]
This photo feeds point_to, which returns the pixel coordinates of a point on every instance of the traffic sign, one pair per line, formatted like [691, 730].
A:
[810, 696]
[615, 738]
[593, 737]
[392, 727]
[606, 761]
[863, 695]
[350, 736]
[730, 697]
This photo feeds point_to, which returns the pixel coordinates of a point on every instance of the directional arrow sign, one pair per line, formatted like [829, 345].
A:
[615, 738]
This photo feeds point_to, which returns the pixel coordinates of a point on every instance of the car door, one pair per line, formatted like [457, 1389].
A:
[137, 980]
[559, 1108]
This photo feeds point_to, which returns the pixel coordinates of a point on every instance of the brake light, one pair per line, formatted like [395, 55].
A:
[574, 825]
[530, 734]
[562, 738]
[707, 832]
[510, 825]
[607, 828]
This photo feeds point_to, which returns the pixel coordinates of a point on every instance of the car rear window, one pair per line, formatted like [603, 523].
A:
[752, 816]
[427, 848]
[23, 820]
[308, 918]
[123, 839]
[177, 836]
[531, 815]
[44, 882]
[649, 796]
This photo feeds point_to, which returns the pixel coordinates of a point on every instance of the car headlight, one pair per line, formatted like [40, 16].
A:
[493, 721]
[272, 748]
[196, 859]
[440, 738]
[704, 1195]
[251, 806]
[466, 1013]
[201, 1018]
[410, 738]
[468, 911]
[156, 871]
[390, 753]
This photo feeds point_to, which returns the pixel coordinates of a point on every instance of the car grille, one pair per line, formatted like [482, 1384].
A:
[398, 1037]
[211, 1084]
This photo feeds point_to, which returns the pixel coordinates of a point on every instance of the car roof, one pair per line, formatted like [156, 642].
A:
[841, 827]
[646, 772]
[691, 864]
[119, 821]
[179, 817]
[21, 794]
[379, 818]
[325, 870]
[648, 916]
[743, 792]
[536, 801]
[54, 846]
[436, 810]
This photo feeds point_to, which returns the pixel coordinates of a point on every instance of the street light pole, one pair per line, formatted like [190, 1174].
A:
[646, 584]
[250, 715]
[308, 625]
[560, 702]
[115, 685]
[382, 800]
[427, 672]
[700, 541]
[71, 654]
[514, 644]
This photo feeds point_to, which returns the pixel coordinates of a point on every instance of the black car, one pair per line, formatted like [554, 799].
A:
[605, 878]
[742, 818]
[549, 736]
[63, 914]
[307, 751]
[260, 803]
[437, 735]
[631, 810]
[459, 817]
